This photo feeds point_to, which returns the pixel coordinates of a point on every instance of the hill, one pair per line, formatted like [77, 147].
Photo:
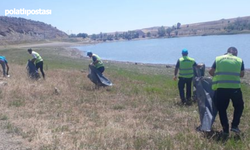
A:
[223, 26]
[238, 25]
[20, 30]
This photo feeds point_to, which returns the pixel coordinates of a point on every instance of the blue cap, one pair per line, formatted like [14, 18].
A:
[89, 53]
[184, 51]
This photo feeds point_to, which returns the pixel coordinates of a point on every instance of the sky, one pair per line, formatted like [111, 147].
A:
[95, 16]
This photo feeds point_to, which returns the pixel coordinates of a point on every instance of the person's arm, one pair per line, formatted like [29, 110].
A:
[7, 68]
[95, 60]
[175, 73]
[34, 58]
[242, 73]
[176, 70]
[212, 70]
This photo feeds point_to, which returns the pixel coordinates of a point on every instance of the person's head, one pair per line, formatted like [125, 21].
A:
[233, 51]
[184, 52]
[89, 54]
[30, 50]
[2, 57]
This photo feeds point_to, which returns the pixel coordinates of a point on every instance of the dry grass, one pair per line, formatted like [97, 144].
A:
[140, 111]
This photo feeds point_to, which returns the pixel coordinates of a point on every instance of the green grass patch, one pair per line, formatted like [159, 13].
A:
[3, 117]
[17, 103]
[53, 58]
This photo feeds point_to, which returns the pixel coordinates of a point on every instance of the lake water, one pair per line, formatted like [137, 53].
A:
[203, 49]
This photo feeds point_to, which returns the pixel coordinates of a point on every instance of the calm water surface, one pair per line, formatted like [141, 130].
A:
[203, 49]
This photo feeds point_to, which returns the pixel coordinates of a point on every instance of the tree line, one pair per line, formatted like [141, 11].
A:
[162, 31]
[110, 37]
[129, 35]
[238, 25]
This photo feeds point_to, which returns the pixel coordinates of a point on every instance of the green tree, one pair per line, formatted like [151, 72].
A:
[100, 36]
[161, 31]
[110, 37]
[104, 36]
[126, 35]
[135, 35]
[116, 36]
[72, 35]
[148, 34]
[169, 30]
[178, 25]
[93, 36]
[83, 35]
[176, 32]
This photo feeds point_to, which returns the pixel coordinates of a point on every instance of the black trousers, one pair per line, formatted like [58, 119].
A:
[222, 99]
[40, 65]
[3, 67]
[101, 69]
[185, 82]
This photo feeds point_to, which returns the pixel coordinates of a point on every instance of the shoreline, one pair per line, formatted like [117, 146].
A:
[77, 53]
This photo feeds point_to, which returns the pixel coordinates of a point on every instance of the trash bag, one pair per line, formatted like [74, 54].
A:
[200, 72]
[32, 71]
[97, 77]
[204, 96]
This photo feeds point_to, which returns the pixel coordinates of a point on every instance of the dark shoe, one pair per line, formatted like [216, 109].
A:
[223, 136]
[184, 102]
[235, 129]
[189, 99]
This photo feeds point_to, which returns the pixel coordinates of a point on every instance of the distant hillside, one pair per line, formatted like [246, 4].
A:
[224, 26]
[19, 30]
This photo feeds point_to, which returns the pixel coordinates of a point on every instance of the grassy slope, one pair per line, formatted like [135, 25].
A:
[140, 111]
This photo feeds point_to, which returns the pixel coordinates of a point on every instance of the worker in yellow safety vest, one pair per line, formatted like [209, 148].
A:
[96, 61]
[185, 66]
[37, 60]
[226, 71]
